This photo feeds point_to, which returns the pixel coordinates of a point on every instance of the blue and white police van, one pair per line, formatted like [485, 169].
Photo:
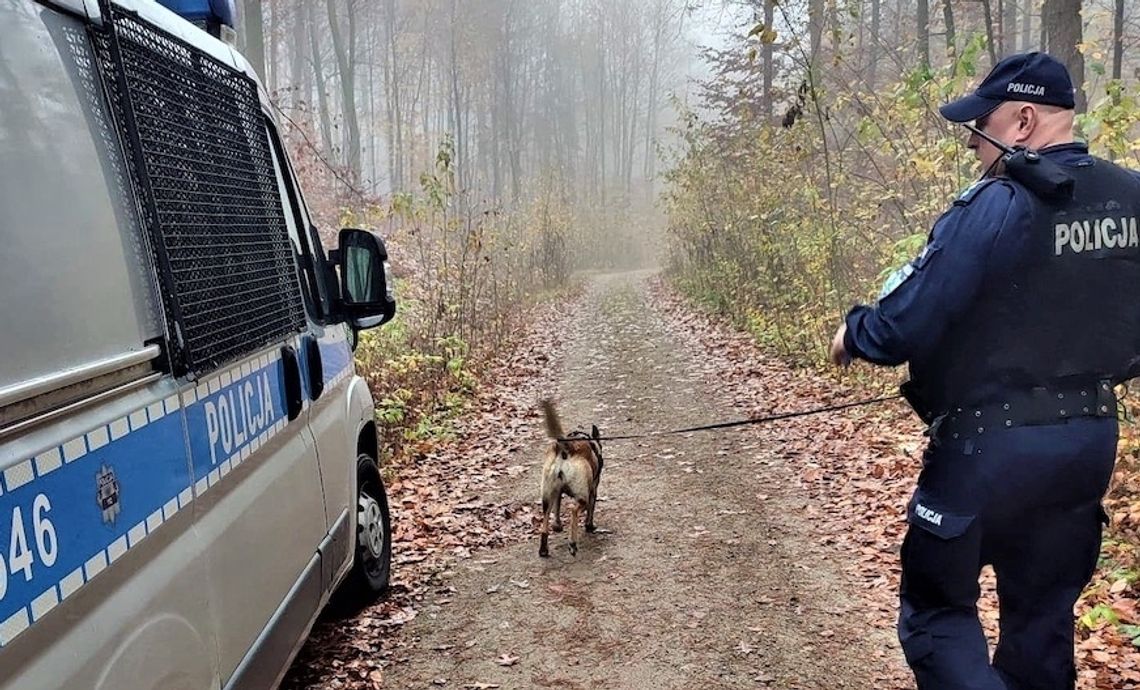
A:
[188, 463]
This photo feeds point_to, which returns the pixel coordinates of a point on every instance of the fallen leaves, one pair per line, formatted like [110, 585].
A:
[440, 514]
[856, 468]
[859, 468]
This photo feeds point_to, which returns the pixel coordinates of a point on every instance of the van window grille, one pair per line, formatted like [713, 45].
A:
[201, 162]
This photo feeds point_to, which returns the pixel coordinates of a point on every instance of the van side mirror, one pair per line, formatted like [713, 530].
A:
[366, 289]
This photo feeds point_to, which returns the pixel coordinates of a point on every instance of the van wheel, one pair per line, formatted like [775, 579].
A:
[373, 564]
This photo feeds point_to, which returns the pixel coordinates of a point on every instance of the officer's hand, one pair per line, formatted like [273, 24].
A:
[839, 355]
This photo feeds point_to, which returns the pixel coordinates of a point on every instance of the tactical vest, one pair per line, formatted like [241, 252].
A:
[1068, 311]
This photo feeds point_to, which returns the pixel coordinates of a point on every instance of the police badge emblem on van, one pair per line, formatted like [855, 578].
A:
[107, 494]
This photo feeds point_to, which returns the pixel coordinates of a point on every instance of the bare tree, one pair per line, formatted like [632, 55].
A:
[299, 71]
[951, 36]
[815, 29]
[456, 109]
[1117, 38]
[344, 48]
[570, 94]
[315, 52]
[768, 50]
[1008, 27]
[1061, 22]
[254, 46]
[1026, 22]
[987, 7]
[922, 18]
[392, 74]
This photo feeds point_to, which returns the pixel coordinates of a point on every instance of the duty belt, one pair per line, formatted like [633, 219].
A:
[1033, 407]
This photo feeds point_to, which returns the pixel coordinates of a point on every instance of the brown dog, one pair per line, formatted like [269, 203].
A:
[573, 467]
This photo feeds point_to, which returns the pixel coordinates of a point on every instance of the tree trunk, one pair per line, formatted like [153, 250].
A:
[815, 27]
[456, 110]
[345, 52]
[660, 20]
[632, 110]
[319, 73]
[602, 104]
[298, 72]
[989, 15]
[373, 172]
[1062, 22]
[424, 88]
[898, 17]
[254, 36]
[496, 149]
[511, 99]
[273, 73]
[1026, 23]
[769, 59]
[922, 16]
[1117, 39]
[392, 108]
[1008, 27]
[951, 37]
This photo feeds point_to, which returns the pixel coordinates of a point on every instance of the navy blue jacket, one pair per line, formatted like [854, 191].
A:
[973, 247]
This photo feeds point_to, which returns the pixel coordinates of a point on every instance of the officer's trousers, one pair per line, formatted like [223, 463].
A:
[1026, 500]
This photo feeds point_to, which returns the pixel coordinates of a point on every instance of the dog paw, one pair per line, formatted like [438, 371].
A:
[544, 552]
[557, 527]
[591, 528]
[573, 549]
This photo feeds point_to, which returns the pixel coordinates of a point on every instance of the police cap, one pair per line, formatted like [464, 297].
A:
[1033, 77]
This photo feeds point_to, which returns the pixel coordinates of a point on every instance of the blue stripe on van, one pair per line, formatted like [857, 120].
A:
[227, 417]
[55, 535]
[336, 358]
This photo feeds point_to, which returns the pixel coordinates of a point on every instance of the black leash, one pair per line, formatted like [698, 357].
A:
[743, 422]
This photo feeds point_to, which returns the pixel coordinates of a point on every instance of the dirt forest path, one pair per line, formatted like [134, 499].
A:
[704, 573]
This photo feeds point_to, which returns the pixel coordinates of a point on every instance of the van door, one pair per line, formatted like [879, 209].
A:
[259, 508]
[327, 372]
[231, 287]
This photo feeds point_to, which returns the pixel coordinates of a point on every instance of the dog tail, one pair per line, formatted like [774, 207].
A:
[553, 424]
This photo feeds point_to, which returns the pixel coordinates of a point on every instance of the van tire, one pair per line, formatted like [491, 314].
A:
[372, 563]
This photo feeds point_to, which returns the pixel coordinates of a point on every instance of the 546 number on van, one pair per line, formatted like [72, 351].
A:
[28, 530]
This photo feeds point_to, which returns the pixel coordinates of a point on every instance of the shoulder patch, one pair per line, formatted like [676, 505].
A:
[974, 190]
[895, 279]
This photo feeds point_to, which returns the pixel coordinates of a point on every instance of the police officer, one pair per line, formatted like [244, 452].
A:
[1017, 320]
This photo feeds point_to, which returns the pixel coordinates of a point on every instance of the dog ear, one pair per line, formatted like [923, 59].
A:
[594, 431]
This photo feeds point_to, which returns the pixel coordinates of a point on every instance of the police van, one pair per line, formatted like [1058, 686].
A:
[188, 463]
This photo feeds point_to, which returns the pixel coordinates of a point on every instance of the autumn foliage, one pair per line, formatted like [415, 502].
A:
[781, 226]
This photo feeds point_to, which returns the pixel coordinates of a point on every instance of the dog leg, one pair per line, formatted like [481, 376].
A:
[543, 548]
[575, 508]
[590, 526]
[558, 512]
